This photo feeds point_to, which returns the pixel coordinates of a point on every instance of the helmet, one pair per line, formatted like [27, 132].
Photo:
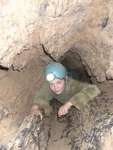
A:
[54, 71]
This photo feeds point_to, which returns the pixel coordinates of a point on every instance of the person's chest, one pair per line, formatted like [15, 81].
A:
[64, 96]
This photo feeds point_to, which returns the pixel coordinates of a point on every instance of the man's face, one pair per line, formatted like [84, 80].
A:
[57, 86]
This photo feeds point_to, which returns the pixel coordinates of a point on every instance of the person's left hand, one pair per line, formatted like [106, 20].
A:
[64, 108]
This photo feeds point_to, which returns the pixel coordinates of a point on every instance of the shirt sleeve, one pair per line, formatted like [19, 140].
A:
[43, 97]
[87, 92]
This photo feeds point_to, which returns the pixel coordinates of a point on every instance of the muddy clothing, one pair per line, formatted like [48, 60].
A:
[77, 92]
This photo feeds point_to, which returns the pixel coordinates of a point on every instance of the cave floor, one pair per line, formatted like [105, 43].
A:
[56, 140]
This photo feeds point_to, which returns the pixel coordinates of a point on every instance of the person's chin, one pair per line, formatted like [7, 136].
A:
[59, 92]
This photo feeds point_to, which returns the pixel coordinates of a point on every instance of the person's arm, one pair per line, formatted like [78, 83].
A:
[87, 93]
[42, 98]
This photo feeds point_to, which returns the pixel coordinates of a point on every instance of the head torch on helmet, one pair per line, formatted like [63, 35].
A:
[54, 71]
[50, 77]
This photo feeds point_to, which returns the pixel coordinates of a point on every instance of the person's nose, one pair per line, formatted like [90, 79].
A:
[56, 87]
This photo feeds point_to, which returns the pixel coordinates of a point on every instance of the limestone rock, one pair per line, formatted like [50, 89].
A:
[59, 25]
[32, 134]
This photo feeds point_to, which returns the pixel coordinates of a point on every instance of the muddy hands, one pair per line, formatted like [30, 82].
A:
[37, 111]
[64, 109]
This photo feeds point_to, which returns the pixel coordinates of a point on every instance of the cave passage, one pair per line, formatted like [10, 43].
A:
[20, 131]
[73, 62]
[77, 33]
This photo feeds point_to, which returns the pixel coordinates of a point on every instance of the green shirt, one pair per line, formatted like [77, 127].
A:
[77, 92]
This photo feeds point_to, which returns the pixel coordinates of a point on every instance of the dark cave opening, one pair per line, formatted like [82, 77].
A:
[72, 60]
[73, 63]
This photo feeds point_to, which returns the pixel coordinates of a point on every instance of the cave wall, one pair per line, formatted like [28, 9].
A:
[89, 32]
[59, 25]
[85, 26]
[17, 90]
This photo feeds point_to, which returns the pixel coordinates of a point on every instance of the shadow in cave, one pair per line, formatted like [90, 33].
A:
[72, 61]
[4, 68]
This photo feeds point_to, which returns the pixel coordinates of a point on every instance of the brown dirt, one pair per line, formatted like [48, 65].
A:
[16, 93]
[56, 140]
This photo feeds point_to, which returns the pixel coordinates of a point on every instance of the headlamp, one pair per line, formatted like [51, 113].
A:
[50, 77]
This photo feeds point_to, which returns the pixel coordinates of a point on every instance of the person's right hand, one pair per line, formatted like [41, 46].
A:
[36, 110]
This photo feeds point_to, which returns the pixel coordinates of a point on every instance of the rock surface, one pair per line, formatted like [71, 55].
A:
[59, 25]
[27, 29]
[17, 90]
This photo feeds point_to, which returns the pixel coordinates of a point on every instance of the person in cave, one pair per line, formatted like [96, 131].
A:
[70, 92]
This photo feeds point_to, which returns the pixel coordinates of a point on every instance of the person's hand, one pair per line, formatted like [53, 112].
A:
[36, 111]
[64, 108]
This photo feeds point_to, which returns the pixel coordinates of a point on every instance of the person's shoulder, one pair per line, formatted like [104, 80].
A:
[72, 83]
[72, 80]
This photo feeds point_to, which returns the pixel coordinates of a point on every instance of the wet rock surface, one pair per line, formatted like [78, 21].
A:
[32, 134]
